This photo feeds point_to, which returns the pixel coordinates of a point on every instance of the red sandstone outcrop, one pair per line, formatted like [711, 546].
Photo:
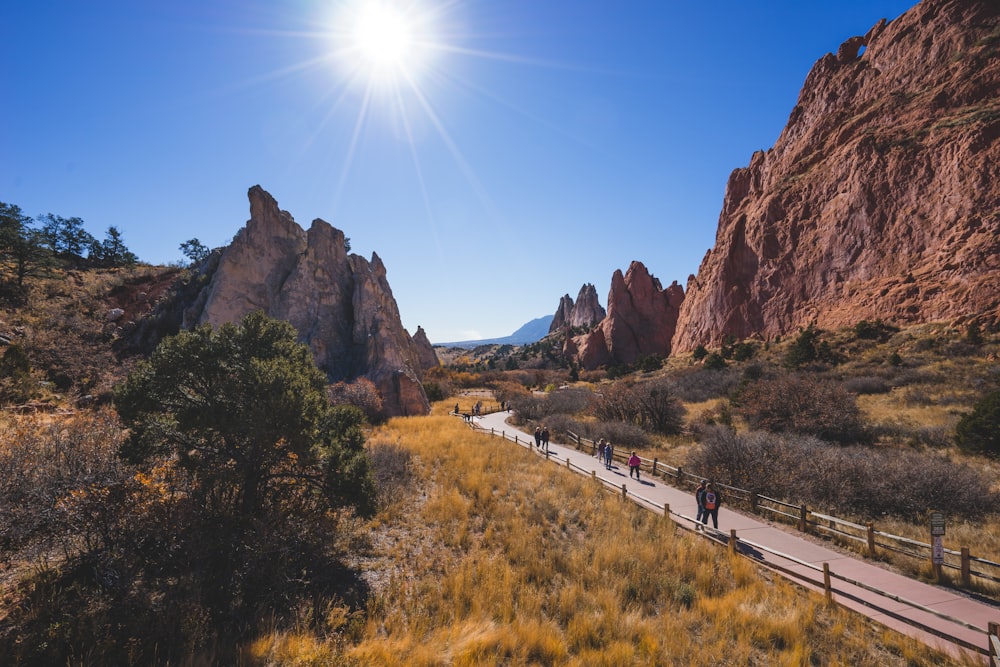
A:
[586, 312]
[426, 356]
[340, 304]
[881, 197]
[640, 320]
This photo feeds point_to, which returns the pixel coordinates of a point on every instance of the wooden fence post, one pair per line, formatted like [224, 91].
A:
[624, 492]
[655, 462]
[593, 475]
[732, 541]
[680, 474]
[803, 520]
[994, 643]
[753, 501]
[568, 465]
[871, 538]
[666, 513]
[966, 568]
[827, 588]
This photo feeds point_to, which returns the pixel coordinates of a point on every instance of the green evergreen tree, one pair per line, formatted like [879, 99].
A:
[979, 431]
[243, 408]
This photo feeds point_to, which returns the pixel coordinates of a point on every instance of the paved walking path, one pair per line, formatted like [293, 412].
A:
[655, 494]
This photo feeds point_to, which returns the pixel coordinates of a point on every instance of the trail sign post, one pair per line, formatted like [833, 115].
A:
[937, 544]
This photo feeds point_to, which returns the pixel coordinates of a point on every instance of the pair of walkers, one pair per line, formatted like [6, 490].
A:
[605, 453]
[709, 499]
[542, 438]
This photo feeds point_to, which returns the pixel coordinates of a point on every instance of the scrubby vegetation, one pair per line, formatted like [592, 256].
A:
[482, 567]
[205, 545]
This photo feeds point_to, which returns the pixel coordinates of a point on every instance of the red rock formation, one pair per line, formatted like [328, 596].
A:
[426, 356]
[341, 304]
[586, 312]
[641, 319]
[881, 197]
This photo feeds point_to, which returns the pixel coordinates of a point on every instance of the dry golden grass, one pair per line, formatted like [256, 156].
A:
[503, 559]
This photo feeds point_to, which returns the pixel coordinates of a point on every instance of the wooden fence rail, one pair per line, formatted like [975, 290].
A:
[823, 524]
[992, 632]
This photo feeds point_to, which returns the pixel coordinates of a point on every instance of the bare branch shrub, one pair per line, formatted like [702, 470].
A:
[867, 385]
[699, 384]
[361, 393]
[42, 463]
[651, 405]
[804, 405]
[392, 470]
[852, 480]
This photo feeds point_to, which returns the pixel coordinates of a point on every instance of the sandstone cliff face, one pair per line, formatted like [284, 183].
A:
[426, 356]
[585, 312]
[881, 197]
[641, 320]
[340, 304]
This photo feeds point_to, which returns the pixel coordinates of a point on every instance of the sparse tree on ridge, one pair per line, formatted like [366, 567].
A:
[194, 250]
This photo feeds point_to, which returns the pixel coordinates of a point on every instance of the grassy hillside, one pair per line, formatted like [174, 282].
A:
[466, 562]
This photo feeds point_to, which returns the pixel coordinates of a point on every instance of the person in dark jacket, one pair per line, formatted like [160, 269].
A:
[699, 496]
[712, 500]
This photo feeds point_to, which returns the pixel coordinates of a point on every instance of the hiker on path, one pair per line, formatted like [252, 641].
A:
[538, 437]
[609, 454]
[699, 496]
[712, 499]
[600, 449]
[633, 466]
[545, 438]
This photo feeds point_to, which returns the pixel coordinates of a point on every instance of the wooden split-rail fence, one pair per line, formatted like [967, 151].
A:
[807, 521]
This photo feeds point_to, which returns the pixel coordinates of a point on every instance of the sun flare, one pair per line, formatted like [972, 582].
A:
[383, 36]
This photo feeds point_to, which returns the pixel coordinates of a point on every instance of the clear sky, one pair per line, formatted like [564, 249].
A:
[496, 154]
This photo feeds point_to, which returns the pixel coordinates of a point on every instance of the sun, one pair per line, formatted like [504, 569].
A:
[385, 44]
[383, 36]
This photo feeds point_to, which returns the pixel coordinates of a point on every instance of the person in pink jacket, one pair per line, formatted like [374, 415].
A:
[633, 465]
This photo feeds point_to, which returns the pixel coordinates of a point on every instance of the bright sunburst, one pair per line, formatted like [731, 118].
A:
[385, 42]
[383, 36]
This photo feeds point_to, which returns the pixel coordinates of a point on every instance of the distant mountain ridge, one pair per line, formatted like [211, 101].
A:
[531, 332]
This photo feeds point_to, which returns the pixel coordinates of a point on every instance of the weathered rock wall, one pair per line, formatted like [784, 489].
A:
[341, 304]
[881, 197]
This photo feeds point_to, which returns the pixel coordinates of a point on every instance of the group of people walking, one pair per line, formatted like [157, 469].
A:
[542, 438]
[709, 499]
[605, 453]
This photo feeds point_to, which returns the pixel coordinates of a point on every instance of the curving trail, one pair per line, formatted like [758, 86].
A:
[800, 557]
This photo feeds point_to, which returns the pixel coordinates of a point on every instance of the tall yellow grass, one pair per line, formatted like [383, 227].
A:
[509, 560]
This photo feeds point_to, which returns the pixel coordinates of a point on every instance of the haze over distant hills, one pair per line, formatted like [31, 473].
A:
[530, 332]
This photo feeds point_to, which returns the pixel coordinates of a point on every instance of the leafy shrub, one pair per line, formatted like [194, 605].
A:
[435, 391]
[744, 351]
[699, 353]
[852, 480]
[804, 405]
[979, 431]
[714, 362]
[874, 330]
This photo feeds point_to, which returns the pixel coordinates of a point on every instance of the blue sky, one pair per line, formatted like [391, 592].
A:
[515, 150]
